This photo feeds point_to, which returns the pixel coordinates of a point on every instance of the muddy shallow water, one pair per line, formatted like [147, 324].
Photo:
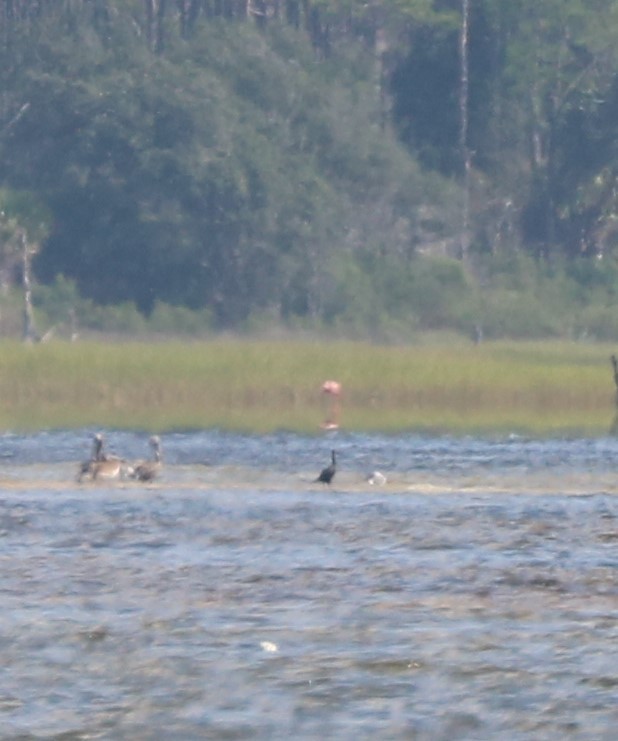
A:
[475, 595]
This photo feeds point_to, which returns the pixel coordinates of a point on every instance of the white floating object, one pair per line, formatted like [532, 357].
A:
[269, 647]
[376, 478]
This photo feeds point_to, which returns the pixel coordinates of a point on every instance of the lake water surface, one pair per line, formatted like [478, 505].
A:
[474, 596]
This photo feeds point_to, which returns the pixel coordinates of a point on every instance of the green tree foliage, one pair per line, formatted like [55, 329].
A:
[226, 172]
[561, 64]
[239, 158]
[542, 116]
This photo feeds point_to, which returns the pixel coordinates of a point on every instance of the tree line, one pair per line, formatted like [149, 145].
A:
[301, 159]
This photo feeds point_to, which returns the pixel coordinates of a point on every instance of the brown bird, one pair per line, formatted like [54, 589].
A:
[149, 470]
[112, 468]
[85, 467]
[100, 465]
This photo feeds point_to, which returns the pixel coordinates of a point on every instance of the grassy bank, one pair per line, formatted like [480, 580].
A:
[541, 389]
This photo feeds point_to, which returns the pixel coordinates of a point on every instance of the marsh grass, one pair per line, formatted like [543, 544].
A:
[261, 386]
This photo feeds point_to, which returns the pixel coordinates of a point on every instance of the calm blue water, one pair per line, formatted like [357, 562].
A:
[474, 596]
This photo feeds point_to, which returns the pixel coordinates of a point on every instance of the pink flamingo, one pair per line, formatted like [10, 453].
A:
[333, 390]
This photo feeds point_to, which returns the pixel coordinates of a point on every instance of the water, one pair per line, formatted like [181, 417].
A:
[474, 596]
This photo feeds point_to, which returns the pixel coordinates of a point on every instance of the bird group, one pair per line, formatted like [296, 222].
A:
[327, 474]
[102, 466]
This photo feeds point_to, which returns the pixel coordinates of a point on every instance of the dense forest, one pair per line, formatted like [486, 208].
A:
[366, 167]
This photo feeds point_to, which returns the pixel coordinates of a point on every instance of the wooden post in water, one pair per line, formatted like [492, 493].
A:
[615, 367]
[613, 430]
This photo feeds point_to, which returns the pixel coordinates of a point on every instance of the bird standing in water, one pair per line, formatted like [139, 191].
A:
[149, 470]
[327, 474]
[100, 464]
[376, 478]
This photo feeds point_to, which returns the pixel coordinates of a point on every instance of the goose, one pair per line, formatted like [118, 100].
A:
[149, 470]
[85, 466]
[110, 468]
[100, 464]
[327, 474]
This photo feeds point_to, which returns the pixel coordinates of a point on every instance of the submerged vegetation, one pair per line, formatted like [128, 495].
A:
[264, 386]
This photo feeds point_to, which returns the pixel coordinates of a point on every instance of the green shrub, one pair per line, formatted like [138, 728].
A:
[123, 317]
[598, 323]
[57, 300]
[179, 320]
[507, 313]
[11, 313]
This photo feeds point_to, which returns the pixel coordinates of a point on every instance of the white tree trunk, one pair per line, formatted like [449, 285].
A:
[29, 331]
[463, 131]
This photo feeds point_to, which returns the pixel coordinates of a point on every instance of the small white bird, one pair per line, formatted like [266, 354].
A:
[376, 478]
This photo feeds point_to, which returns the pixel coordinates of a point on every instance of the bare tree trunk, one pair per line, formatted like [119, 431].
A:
[615, 367]
[257, 9]
[29, 331]
[380, 49]
[293, 13]
[150, 15]
[159, 32]
[183, 12]
[155, 13]
[463, 131]
[74, 325]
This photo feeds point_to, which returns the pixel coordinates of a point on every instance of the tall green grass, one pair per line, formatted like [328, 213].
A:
[262, 386]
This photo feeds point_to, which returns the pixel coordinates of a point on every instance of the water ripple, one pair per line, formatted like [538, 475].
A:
[477, 598]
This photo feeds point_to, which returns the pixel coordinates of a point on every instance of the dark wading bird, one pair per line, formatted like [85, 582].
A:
[100, 464]
[327, 474]
[149, 470]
